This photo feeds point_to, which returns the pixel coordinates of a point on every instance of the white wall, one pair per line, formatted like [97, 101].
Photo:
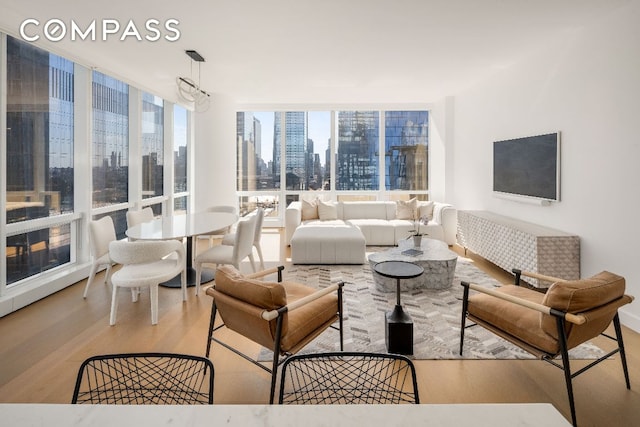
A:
[588, 87]
[215, 154]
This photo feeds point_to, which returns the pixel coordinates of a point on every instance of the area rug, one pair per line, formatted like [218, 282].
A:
[435, 313]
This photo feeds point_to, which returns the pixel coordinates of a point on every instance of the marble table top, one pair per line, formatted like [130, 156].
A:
[477, 415]
[432, 250]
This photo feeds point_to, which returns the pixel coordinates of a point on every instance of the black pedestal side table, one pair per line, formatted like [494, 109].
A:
[398, 324]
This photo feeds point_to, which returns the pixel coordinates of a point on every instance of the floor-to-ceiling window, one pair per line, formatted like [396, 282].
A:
[79, 144]
[152, 148]
[406, 138]
[39, 164]
[348, 155]
[259, 153]
[180, 172]
[110, 149]
[358, 150]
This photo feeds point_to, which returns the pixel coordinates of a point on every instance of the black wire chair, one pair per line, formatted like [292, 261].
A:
[348, 378]
[145, 379]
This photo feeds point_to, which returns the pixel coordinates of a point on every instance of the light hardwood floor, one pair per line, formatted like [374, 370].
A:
[42, 346]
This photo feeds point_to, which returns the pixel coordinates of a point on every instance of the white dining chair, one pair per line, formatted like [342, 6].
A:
[101, 233]
[138, 217]
[223, 231]
[146, 263]
[229, 238]
[230, 254]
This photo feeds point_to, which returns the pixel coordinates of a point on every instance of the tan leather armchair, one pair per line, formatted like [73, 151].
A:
[281, 316]
[549, 324]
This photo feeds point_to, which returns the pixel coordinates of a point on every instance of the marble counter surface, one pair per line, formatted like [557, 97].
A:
[477, 415]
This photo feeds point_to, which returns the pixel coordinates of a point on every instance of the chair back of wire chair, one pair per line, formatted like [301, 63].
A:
[145, 379]
[348, 378]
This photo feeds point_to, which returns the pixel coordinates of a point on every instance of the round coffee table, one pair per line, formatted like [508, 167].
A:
[398, 323]
[438, 261]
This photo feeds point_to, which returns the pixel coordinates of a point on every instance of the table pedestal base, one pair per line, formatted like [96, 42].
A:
[398, 331]
[207, 276]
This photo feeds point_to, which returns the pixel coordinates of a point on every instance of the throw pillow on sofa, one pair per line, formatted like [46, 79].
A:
[309, 209]
[407, 209]
[425, 211]
[327, 211]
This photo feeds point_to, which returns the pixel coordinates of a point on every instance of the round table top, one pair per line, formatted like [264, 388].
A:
[431, 250]
[177, 226]
[398, 269]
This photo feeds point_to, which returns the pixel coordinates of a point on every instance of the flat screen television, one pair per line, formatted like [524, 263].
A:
[528, 167]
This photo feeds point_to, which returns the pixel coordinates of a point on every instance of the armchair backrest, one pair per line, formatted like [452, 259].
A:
[241, 302]
[597, 298]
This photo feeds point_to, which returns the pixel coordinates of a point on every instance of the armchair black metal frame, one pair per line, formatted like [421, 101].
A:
[562, 320]
[279, 315]
[348, 378]
[145, 378]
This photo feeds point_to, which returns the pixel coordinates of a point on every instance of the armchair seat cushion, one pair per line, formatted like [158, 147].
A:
[515, 320]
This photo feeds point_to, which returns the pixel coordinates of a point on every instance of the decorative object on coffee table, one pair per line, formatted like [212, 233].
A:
[398, 323]
[416, 233]
[434, 256]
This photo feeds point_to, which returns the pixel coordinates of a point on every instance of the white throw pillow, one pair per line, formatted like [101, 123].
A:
[425, 210]
[407, 209]
[309, 209]
[327, 211]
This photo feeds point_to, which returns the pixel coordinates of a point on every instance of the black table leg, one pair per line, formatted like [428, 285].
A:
[207, 274]
[398, 328]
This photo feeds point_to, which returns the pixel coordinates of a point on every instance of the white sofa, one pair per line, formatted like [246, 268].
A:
[376, 220]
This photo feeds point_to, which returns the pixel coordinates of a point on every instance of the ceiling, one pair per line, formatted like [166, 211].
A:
[313, 52]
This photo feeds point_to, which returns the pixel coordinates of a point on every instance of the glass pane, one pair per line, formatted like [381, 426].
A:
[180, 134]
[307, 136]
[357, 150]
[39, 133]
[37, 251]
[295, 136]
[406, 143]
[258, 149]
[152, 145]
[157, 209]
[268, 203]
[110, 157]
[180, 205]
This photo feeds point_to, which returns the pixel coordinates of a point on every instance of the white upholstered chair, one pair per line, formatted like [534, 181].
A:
[223, 231]
[138, 217]
[101, 232]
[229, 238]
[146, 263]
[230, 254]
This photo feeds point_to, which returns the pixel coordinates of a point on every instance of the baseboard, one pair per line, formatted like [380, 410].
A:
[630, 320]
[33, 290]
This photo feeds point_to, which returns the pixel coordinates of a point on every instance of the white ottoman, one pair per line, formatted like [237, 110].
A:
[328, 244]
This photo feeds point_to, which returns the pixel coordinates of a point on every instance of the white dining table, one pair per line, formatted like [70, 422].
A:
[180, 226]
